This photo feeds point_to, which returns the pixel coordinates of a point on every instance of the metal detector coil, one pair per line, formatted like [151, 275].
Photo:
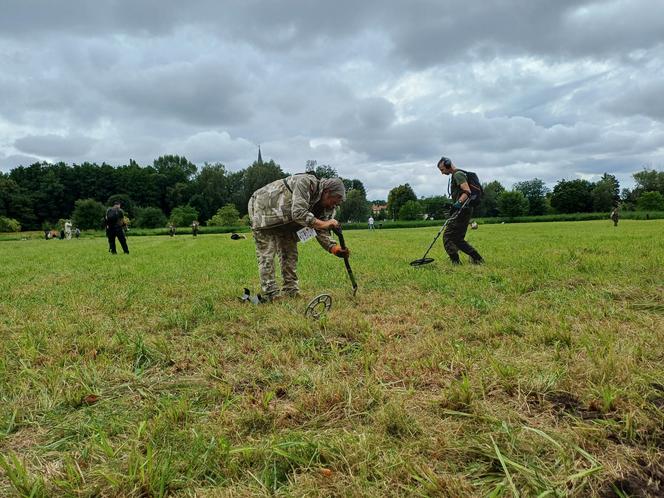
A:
[424, 260]
[318, 306]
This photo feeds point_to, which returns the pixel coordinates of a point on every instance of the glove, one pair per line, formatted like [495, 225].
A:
[339, 252]
[457, 205]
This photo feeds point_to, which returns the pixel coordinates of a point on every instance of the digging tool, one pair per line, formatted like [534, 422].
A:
[349, 270]
[424, 260]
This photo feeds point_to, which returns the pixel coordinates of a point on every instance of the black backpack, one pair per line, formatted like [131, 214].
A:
[112, 216]
[476, 190]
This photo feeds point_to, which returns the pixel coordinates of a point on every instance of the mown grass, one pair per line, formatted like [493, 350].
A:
[538, 374]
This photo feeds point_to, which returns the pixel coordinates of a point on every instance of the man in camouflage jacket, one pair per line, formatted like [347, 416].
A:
[282, 208]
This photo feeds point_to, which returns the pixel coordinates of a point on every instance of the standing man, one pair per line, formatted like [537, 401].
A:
[281, 213]
[371, 223]
[115, 227]
[615, 216]
[194, 228]
[68, 230]
[455, 232]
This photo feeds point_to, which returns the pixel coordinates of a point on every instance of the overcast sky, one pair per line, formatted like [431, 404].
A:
[512, 89]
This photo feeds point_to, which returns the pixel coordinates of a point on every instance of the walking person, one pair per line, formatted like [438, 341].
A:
[455, 232]
[615, 216]
[115, 222]
[371, 223]
[299, 207]
[194, 228]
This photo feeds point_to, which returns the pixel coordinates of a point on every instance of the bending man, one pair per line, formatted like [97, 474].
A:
[280, 213]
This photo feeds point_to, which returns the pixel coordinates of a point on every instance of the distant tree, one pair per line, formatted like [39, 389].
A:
[126, 202]
[183, 216]
[410, 210]
[535, 191]
[321, 170]
[649, 181]
[650, 201]
[355, 207]
[489, 202]
[605, 193]
[211, 190]
[573, 196]
[397, 197]
[227, 215]
[354, 185]
[436, 206]
[512, 204]
[257, 176]
[172, 170]
[9, 225]
[88, 214]
[150, 217]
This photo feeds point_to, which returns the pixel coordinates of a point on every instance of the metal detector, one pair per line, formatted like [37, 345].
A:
[318, 306]
[342, 242]
[424, 260]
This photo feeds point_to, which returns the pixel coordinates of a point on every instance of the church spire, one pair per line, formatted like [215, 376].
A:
[260, 158]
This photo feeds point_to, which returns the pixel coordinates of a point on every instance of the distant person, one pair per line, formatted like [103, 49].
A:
[371, 223]
[62, 234]
[77, 232]
[68, 229]
[115, 222]
[194, 228]
[171, 230]
[47, 234]
[299, 207]
[615, 216]
[455, 232]
[474, 225]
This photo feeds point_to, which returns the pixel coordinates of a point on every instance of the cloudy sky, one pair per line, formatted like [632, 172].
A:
[378, 89]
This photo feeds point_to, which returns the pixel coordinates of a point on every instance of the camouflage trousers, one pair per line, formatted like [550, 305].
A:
[455, 233]
[269, 244]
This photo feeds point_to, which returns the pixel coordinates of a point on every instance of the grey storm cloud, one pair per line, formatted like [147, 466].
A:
[377, 89]
[54, 145]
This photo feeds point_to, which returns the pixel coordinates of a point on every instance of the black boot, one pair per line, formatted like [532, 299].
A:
[476, 259]
[454, 258]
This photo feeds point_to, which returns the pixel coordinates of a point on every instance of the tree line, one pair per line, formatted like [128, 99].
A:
[171, 190]
[533, 198]
[174, 190]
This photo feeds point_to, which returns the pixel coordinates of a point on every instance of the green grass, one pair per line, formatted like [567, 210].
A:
[538, 374]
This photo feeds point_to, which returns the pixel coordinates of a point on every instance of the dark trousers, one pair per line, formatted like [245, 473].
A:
[455, 233]
[119, 233]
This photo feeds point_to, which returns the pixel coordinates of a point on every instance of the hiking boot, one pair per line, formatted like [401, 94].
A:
[477, 261]
[455, 259]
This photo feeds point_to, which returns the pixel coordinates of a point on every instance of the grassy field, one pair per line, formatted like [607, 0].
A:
[538, 374]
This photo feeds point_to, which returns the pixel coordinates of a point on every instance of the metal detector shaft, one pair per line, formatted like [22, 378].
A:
[442, 229]
[349, 270]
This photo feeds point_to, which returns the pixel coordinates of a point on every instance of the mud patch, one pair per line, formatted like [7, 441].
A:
[563, 403]
[646, 482]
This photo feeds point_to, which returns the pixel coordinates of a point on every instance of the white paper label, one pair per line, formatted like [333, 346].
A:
[305, 234]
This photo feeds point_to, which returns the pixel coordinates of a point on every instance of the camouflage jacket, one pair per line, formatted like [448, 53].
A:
[290, 203]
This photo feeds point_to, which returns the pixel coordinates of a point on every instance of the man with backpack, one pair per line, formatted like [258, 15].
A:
[114, 227]
[466, 192]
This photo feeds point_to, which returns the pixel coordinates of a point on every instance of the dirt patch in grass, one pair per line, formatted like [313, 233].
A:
[564, 403]
[646, 482]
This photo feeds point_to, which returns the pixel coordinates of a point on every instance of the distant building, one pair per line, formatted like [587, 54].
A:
[377, 208]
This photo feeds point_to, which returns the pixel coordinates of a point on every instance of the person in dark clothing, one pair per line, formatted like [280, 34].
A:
[194, 228]
[455, 232]
[115, 227]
